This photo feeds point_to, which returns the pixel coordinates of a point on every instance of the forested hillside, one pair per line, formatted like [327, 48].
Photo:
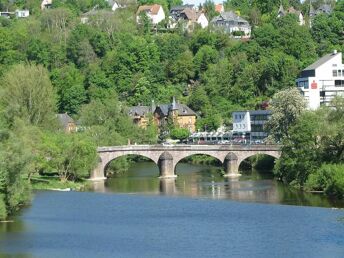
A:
[52, 63]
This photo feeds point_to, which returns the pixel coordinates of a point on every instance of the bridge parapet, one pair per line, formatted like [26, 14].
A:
[230, 155]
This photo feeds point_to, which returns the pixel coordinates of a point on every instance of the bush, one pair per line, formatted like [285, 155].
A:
[328, 178]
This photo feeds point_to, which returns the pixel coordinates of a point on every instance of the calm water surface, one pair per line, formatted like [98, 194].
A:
[200, 214]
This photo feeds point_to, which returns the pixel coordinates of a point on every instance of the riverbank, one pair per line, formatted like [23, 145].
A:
[54, 183]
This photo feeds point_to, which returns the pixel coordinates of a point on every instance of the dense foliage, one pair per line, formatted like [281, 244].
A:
[51, 62]
[313, 151]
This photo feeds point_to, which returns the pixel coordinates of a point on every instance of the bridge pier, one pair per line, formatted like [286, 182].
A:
[231, 166]
[166, 165]
[98, 172]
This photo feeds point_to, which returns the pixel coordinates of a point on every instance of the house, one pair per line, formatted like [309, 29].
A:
[46, 4]
[180, 114]
[291, 10]
[22, 13]
[249, 125]
[219, 8]
[67, 123]
[325, 9]
[140, 114]
[187, 16]
[155, 12]
[6, 14]
[115, 5]
[320, 82]
[232, 24]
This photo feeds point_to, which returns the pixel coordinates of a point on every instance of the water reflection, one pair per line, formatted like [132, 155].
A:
[207, 182]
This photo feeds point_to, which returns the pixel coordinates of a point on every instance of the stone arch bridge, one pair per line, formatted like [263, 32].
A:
[167, 157]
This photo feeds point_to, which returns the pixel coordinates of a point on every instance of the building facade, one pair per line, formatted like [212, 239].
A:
[291, 10]
[67, 123]
[249, 125]
[187, 17]
[232, 24]
[180, 114]
[154, 12]
[320, 82]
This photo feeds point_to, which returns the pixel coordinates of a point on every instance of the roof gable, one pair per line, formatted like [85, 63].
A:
[321, 61]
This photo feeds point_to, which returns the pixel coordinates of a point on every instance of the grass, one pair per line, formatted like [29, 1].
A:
[52, 183]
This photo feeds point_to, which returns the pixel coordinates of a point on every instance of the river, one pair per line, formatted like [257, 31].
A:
[199, 214]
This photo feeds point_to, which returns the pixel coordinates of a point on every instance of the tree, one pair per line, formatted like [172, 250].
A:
[300, 150]
[180, 133]
[286, 106]
[69, 84]
[26, 93]
[72, 156]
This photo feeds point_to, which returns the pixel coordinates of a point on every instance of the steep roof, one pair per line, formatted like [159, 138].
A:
[181, 7]
[64, 119]
[230, 16]
[281, 10]
[183, 110]
[153, 9]
[325, 8]
[139, 110]
[321, 61]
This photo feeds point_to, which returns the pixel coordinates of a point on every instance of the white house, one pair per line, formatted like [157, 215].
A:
[187, 16]
[291, 10]
[320, 82]
[115, 5]
[155, 12]
[46, 4]
[241, 121]
[22, 13]
[232, 24]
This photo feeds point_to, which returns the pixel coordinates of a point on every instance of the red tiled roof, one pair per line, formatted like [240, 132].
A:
[153, 9]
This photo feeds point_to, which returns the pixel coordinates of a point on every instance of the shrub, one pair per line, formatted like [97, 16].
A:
[329, 178]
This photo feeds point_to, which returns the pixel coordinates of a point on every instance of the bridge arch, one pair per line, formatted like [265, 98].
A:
[107, 164]
[178, 161]
[275, 154]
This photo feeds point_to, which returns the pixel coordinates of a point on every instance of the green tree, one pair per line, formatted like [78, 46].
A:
[69, 84]
[72, 156]
[287, 105]
[26, 93]
[179, 133]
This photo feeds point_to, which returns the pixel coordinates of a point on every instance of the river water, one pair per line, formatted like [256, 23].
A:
[200, 214]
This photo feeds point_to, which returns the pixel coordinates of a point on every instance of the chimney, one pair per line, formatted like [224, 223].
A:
[335, 52]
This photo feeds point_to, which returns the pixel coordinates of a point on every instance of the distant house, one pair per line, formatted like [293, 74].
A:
[6, 14]
[231, 23]
[325, 9]
[140, 114]
[67, 123]
[181, 115]
[219, 8]
[291, 10]
[187, 16]
[22, 13]
[115, 5]
[155, 12]
[46, 4]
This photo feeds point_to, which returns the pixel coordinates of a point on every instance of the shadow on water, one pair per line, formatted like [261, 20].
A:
[204, 181]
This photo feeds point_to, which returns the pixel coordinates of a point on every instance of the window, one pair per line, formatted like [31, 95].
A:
[339, 83]
[334, 73]
[339, 73]
[304, 84]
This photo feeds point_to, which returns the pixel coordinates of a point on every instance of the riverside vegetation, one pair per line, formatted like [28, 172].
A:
[52, 63]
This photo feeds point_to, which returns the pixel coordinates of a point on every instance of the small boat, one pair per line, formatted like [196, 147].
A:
[61, 189]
